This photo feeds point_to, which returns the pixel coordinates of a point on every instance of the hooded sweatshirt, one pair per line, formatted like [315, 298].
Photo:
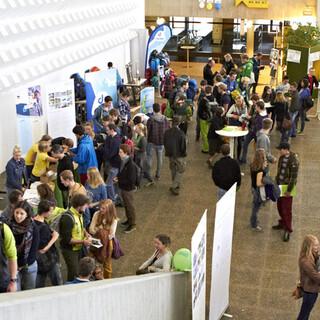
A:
[157, 125]
[257, 122]
[263, 142]
[85, 154]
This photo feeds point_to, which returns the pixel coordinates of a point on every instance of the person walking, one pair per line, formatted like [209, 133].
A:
[156, 127]
[127, 178]
[226, 172]
[263, 140]
[294, 107]
[258, 171]
[176, 150]
[207, 72]
[287, 174]
[304, 95]
[309, 275]
[256, 67]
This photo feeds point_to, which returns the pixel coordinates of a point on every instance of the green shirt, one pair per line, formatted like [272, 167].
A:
[9, 246]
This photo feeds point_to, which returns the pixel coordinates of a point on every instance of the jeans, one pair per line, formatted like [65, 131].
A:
[302, 116]
[159, 152]
[293, 130]
[27, 277]
[308, 301]
[284, 135]
[284, 205]
[248, 138]
[256, 204]
[177, 167]
[221, 193]
[111, 191]
[54, 274]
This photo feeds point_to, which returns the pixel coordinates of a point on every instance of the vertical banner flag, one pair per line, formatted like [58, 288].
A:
[157, 40]
[199, 255]
[61, 109]
[221, 254]
[147, 100]
[99, 85]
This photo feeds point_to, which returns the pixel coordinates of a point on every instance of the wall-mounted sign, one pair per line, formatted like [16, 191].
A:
[259, 4]
[293, 56]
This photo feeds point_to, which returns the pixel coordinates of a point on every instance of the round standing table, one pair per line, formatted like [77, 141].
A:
[232, 132]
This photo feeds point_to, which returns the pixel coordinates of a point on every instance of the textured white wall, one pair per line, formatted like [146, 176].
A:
[45, 41]
[157, 297]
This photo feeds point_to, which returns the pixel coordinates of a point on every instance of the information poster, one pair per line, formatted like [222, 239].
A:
[99, 85]
[61, 109]
[293, 56]
[30, 120]
[199, 254]
[221, 254]
[147, 100]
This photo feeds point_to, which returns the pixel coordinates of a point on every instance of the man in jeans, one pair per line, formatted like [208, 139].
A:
[176, 149]
[225, 172]
[287, 174]
[111, 158]
[156, 125]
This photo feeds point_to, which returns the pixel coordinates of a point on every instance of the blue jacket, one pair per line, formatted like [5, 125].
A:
[303, 95]
[16, 173]
[85, 154]
[96, 194]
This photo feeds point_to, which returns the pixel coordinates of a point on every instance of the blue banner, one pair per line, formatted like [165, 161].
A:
[99, 85]
[157, 40]
[147, 100]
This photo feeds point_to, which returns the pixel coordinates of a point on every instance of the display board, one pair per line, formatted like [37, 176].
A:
[99, 85]
[30, 119]
[147, 100]
[61, 109]
[199, 259]
[221, 255]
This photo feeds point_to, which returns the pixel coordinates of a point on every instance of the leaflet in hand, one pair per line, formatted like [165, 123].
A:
[96, 243]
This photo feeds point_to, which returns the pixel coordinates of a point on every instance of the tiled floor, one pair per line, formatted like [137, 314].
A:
[264, 269]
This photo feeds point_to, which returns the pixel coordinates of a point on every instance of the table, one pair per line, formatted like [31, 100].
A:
[187, 48]
[232, 132]
[136, 87]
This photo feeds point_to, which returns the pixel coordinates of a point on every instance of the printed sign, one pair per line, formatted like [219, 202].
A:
[258, 4]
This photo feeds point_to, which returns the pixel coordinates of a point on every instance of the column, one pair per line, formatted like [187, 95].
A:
[250, 39]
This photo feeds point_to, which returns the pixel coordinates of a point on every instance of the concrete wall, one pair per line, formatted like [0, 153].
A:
[150, 297]
[190, 8]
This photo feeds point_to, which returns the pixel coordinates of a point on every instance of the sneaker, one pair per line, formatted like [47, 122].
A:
[277, 227]
[125, 223]
[286, 236]
[174, 191]
[307, 119]
[300, 133]
[204, 151]
[157, 178]
[130, 229]
[150, 183]
[257, 228]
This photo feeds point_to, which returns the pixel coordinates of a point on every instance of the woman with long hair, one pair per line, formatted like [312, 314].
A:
[96, 189]
[103, 226]
[309, 275]
[46, 193]
[258, 171]
[140, 145]
[26, 235]
[281, 110]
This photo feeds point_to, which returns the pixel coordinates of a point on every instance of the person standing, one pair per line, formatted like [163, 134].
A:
[304, 95]
[207, 72]
[176, 149]
[256, 67]
[84, 154]
[202, 94]
[73, 236]
[156, 127]
[100, 112]
[124, 106]
[8, 260]
[16, 172]
[263, 140]
[309, 275]
[258, 169]
[183, 110]
[287, 174]
[294, 107]
[226, 172]
[127, 178]
[47, 249]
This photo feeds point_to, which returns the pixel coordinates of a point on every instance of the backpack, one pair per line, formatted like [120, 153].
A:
[167, 84]
[308, 103]
[55, 223]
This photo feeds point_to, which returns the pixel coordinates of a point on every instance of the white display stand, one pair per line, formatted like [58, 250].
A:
[199, 258]
[232, 133]
[221, 255]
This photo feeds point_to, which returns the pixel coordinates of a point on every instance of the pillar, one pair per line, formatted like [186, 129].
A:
[318, 13]
[250, 40]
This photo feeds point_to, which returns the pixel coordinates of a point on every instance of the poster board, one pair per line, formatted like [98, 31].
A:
[147, 100]
[221, 255]
[99, 85]
[199, 259]
[61, 109]
[293, 56]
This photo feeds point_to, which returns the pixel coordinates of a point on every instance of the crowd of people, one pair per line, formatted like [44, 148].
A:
[114, 158]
